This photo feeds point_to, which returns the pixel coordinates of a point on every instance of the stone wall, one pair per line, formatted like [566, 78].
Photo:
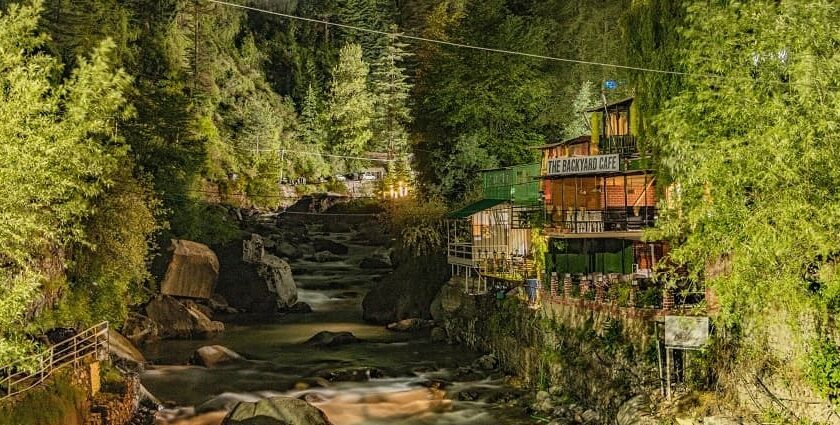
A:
[595, 357]
[115, 408]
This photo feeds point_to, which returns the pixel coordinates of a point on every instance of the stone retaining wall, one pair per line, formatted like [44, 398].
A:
[115, 409]
[596, 357]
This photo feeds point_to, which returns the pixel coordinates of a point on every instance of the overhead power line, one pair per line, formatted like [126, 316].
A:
[451, 43]
[511, 52]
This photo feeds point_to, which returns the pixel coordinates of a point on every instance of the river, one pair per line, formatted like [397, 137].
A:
[412, 379]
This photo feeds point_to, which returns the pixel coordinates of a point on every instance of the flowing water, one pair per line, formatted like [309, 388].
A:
[412, 380]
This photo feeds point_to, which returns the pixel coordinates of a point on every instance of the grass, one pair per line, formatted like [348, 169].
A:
[51, 403]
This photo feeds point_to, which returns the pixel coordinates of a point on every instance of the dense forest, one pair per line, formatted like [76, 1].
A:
[127, 122]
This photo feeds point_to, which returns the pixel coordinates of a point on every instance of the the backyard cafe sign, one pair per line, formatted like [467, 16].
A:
[583, 165]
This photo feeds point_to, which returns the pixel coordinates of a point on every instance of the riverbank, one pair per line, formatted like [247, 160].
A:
[379, 376]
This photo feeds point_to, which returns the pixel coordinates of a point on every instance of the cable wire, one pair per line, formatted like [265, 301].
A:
[495, 50]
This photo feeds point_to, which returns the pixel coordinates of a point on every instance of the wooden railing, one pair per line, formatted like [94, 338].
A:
[27, 373]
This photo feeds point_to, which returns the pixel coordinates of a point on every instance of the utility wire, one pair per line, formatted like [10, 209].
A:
[494, 50]
[449, 43]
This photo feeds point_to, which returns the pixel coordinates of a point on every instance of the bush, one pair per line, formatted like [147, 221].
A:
[824, 369]
[418, 224]
[50, 403]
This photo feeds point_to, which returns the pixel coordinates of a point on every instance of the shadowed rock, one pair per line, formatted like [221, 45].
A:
[332, 339]
[192, 271]
[214, 355]
[276, 411]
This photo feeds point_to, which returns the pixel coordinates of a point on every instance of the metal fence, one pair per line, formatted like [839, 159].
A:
[20, 376]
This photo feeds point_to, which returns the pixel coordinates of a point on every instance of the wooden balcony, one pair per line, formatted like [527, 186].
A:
[625, 145]
[601, 223]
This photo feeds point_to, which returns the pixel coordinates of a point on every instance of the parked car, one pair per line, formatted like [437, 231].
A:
[368, 176]
[340, 178]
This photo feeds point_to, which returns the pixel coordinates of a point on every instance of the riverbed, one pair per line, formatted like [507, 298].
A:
[395, 378]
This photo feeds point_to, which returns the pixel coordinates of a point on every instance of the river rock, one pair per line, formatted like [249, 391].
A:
[287, 250]
[635, 411]
[225, 401]
[331, 246]
[172, 318]
[276, 411]
[139, 329]
[373, 263]
[214, 355]
[175, 320]
[408, 291]
[438, 334]
[120, 346]
[488, 362]
[332, 339]
[240, 282]
[325, 257]
[333, 226]
[219, 304]
[351, 374]
[278, 276]
[192, 271]
[410, 325]
[300, 308]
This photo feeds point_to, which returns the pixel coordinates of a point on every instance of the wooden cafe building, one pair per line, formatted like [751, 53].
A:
[599, 195]
[490, 239]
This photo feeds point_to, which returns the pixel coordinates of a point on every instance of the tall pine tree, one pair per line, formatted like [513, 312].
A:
[351, 103]
[392, 90]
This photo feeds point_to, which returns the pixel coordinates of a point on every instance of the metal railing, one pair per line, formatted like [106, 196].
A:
[624, 145]
[598, 221]
[20, 377]
[468, 251]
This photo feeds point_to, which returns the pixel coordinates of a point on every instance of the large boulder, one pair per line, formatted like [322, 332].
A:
[331, 339]
[278, 276]
[275, 272]
[214, 355]
[240, 283]
[408, 291]
[254, 281]
[276, 411]
[192, 271]
[124, 349]
[175, 320]
[139, 329]
[635, 411]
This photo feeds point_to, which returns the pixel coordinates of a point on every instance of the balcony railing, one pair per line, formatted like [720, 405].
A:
[491, 261]
[624, 145]
[601, 221]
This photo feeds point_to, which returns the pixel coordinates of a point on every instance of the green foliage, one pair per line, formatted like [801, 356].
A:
[576, 123]
[488, 104]
[823, 369]
[351, 104]
[751, 151]
[52, 403]
[418, 224]
[391, 90]
[539, 248]
[64, 183]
